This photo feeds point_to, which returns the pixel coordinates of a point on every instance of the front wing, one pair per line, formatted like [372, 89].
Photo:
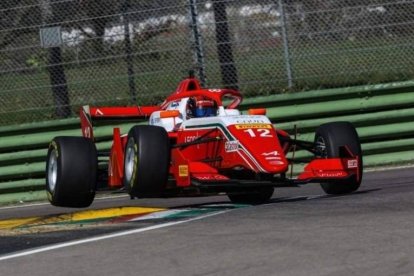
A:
[200, 175]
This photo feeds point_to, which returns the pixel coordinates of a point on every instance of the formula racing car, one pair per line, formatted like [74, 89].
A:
[197, 143]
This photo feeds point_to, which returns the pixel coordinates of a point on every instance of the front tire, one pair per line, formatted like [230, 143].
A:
[147, 161]
[328, 140]
[71, 172]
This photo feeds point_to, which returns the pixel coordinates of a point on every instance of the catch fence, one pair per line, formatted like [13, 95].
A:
[57, 55]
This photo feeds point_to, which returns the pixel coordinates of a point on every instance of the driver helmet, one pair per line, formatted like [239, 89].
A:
[202, 108]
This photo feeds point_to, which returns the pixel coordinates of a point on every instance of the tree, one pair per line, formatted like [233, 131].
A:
[16, 17]
[99, 13]
[400, 18]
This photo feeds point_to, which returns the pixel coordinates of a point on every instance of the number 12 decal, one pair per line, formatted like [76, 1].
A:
[262, 132]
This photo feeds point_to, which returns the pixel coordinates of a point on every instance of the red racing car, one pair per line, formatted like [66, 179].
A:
[197, 143]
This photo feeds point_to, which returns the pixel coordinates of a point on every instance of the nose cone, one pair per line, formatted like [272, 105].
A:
[260, 147]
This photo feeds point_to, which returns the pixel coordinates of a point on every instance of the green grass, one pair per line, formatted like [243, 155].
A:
[27, 96]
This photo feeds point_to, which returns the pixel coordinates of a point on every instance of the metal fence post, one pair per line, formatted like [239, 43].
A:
[128, 52]
[55, 67]
[198, 42]
[224, 47]
[286, 48]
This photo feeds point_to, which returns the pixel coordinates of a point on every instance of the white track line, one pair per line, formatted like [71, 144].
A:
[23, 206]
[105, 237]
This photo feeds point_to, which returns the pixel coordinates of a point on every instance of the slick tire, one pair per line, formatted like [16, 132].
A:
[328, 140]
[71, 172]
[147, 161]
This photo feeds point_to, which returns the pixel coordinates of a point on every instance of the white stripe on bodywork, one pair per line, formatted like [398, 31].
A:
[243, 149]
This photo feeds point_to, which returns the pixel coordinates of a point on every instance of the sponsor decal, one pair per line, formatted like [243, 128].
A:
[231, 146]
[331, 174]
[252, 126]
[273, 158]
[174, 104]
[215, 90]
[189, 139]
[87, 132]
[352, 164]
[211, 177]
[276, 163]
[183, 170]
[271, 154]
[154, 121]
[251, 121]
[98, 112]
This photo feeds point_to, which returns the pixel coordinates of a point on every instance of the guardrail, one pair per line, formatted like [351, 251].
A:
[383, 115]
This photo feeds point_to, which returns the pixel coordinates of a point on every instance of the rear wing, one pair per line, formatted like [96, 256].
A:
[88, 115]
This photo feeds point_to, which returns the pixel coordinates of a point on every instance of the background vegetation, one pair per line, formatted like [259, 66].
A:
[327, 44]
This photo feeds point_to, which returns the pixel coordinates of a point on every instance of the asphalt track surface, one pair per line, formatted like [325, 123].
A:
[300, 232]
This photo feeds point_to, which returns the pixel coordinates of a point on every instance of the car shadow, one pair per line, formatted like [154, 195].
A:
[225, 205]
[319, 197]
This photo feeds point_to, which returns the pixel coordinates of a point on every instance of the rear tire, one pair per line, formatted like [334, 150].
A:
[328, 140]
[71, 172]
[258, 196]
[147, 161]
